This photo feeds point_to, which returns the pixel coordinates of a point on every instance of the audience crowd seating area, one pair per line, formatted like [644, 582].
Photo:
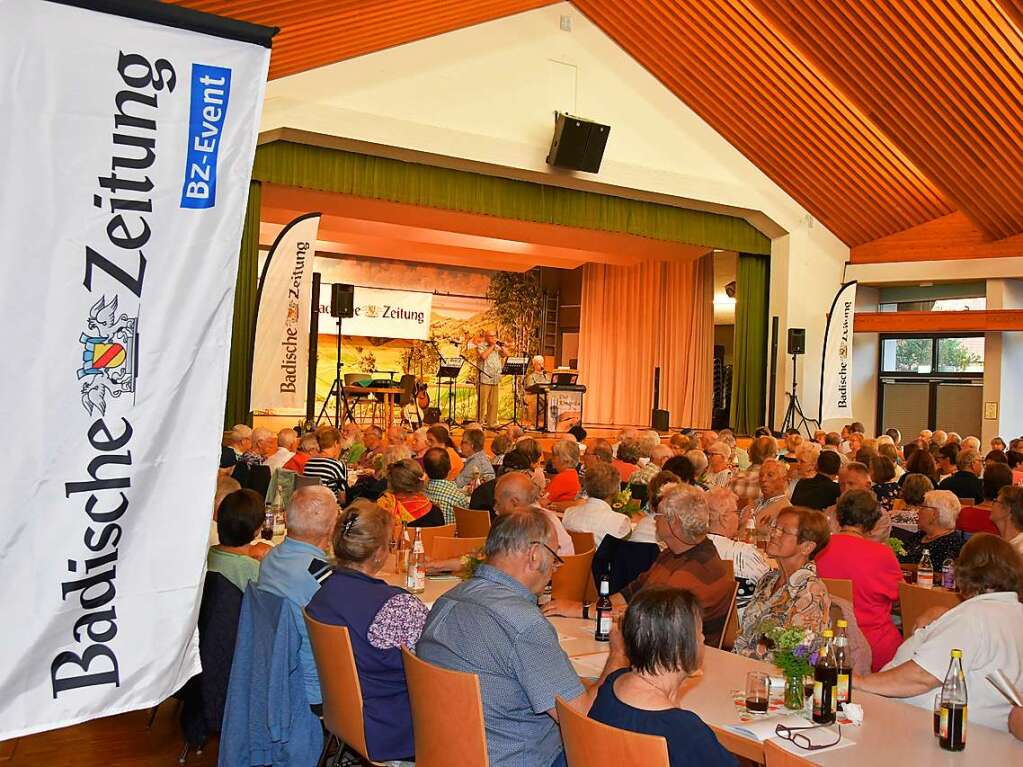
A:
[313, 654]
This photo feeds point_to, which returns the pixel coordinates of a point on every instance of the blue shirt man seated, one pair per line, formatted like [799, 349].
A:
[477, 466]
[295, 568]
[490, 626]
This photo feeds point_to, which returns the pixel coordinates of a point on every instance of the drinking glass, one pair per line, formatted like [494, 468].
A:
[758, 688]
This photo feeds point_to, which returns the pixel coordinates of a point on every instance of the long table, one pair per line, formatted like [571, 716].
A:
[892, 731]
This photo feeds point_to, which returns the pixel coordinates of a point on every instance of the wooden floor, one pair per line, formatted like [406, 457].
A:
[121, 741]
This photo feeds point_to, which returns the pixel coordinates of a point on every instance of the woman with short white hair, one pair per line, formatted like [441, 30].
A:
[536, 376]
[936, 522]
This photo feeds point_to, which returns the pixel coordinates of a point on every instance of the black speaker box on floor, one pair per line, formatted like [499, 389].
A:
[431, 415]
[342, 300]
[578, 144]
[797, 340]
[659, 420]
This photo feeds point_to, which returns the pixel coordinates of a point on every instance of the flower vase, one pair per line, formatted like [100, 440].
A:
[794, 692]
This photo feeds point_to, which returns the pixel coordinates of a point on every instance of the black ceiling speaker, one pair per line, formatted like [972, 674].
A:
[578, 143]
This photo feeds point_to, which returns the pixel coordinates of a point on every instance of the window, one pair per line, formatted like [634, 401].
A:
[961, 355]
[907, 355]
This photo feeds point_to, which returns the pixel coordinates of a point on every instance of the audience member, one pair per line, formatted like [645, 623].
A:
[936, 522]
[380, 619]
[482, 498]
[373, 439]
[287, 442]
[882, 474]
[977, 518]
[821, 490]
[746, 483]
[889, 451]
[987, 627]
[965, 483]
[594, 515]
[513, 491]
[856, 476]
[914, 488]
[698, 459]
[645, 530]
[241, 443]
[500, 446]
[477, 467]
[945, 459]
[308, 447]
[658, 455]
[325, 465]
[872, 568]
[627, 459]
[228, 459]
[564, 487]
[351, 437]
[662, 633]
[417, 445]
[395, 435]
[406, 498]
[793, 595]
[444, 493]
[295, 568]
[748, 562]
[922, 462]
[805, 465]
[239, 520]
[1007, 514]
[438, 436]
[679, 444]
[490, 626]
[690, 560]
[718, 473]
[773, 479]
[373, 483]
[530, 448]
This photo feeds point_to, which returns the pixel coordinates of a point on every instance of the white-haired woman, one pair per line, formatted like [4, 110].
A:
[537, 375]
[936, 523]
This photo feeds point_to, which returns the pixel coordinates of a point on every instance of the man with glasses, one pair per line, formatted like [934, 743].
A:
[718, 473]
[490, 626]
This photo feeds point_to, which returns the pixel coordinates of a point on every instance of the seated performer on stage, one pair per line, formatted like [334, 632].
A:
[537, 375]
[491, 353]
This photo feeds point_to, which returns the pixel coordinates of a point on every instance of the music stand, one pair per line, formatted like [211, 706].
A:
[516, 368]
[449, 368]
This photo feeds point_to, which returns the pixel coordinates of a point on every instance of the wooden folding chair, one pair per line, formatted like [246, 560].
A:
[776, 756]
[915, 600]
[731, 628]
[430, 534]
[570, 581]
[471, 524]
[839, 587]
[752, 751]
[450, 548]
[447, 715]
[582, 542]
[339, 683]
[588, 743]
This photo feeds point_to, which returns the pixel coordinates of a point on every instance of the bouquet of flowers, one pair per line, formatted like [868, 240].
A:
[624, 503]
[897, 547]
[794, 649]
[469, 564]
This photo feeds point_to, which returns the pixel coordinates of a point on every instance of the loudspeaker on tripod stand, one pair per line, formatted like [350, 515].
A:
[342, 300]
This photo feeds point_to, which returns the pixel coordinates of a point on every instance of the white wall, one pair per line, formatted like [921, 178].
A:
[1003, 364]
[488, 93]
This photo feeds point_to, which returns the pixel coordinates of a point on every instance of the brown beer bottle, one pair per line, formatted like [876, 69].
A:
[825, 683]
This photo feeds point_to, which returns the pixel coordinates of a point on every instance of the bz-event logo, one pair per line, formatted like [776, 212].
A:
[211, 91]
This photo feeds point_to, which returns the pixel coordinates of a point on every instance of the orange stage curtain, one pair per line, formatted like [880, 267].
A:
[635, 318]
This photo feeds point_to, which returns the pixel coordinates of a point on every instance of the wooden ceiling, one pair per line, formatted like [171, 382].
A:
[877, 117]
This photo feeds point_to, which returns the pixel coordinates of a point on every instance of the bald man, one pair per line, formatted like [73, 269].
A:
[516, 490]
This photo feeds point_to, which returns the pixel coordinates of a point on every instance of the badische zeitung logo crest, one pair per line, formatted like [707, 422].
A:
[109, 355]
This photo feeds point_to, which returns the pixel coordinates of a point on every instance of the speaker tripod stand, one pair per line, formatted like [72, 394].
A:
[794, 416]
[337, 393]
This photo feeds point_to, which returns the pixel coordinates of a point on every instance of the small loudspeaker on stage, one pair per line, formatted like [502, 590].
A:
[658, 418]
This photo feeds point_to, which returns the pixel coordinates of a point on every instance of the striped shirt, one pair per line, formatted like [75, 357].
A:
[748, 563]
[331, 473]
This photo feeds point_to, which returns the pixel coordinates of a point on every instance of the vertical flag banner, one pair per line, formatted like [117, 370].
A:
[836, 367]
[282, 323]
[129, 130]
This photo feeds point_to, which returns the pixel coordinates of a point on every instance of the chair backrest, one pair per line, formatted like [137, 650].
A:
[589, 743]
[408, 390]
[449, 548]
[731, 629]
[339, 683]
[570, 581]
[430, 534]
[447, 715]
[839, 587]
[777, 756]
[915, 600]
[964, 502]
[351, 378]
[582, 541]
[471, 523]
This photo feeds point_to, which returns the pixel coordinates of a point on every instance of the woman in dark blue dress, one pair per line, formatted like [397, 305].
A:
[663, 635]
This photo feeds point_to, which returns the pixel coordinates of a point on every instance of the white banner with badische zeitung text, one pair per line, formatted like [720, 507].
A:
[127, 149]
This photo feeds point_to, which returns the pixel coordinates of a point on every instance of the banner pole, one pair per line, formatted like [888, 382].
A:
[314, 340]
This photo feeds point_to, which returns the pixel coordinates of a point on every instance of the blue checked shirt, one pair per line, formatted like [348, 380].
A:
[446, 495]
[490, 626]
